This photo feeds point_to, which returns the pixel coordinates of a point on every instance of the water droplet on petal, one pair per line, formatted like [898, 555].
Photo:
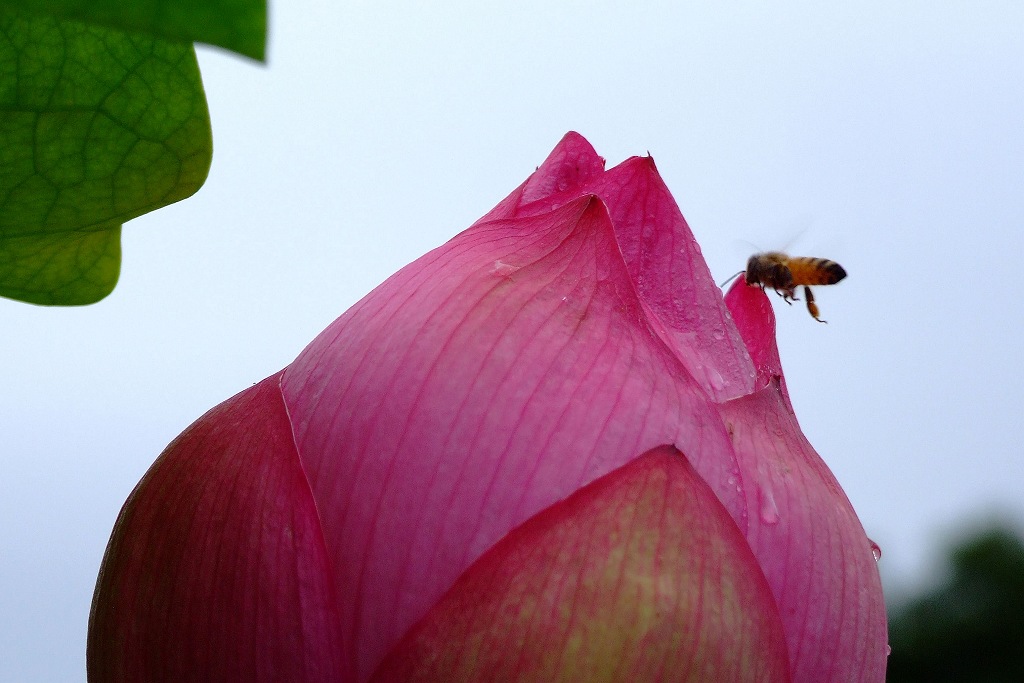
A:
[503, 269]
[769, 510]
[888, 649]
[718, 333]
[876, 552]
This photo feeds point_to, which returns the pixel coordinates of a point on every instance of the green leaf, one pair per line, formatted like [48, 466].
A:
[238, 25]
[96, 127]
[67, 268]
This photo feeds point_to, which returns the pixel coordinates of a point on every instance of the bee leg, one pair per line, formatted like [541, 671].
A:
[812, 307]
[788, 295]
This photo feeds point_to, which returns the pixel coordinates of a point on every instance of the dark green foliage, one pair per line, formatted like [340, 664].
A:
[102, 118]
[97, 127]
[971, 629]
[238, 25]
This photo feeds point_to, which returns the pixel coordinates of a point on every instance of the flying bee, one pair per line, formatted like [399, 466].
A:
[785, 273]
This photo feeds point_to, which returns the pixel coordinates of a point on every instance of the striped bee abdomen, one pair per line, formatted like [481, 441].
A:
[807, 270]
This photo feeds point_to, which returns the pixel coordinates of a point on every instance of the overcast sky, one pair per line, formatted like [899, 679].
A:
[888, 139]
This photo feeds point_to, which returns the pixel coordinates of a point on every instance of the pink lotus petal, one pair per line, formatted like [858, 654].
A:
[561, 178]
[662, 256]
[810, 545]
[639, 576]
[425, 415]
[217, 569]
[752, 312]
[672, 279]
[801, 525]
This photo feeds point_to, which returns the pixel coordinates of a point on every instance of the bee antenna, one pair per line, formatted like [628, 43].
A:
[731, 278]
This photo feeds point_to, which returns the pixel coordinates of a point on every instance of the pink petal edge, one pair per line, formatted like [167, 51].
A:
[639, 576]
[561, 178]
[663, 258]
[755, 319]
[217, 569]
[800, 524]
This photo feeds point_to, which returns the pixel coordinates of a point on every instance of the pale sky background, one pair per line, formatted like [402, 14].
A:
[890, 139]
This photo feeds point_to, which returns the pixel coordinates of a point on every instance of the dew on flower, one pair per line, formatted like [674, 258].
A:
[715, 378]
[876, 552]
[769, 510]
[504, 269]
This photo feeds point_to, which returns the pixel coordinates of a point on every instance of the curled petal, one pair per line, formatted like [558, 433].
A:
[425, 414]
[217, 569]
[639, 576]
[810, 545]
[672, 279]
[664, 261]
[562, 177]
[752, 312]
[800, 524]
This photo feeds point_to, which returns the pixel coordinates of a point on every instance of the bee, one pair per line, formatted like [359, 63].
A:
[785, 273]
